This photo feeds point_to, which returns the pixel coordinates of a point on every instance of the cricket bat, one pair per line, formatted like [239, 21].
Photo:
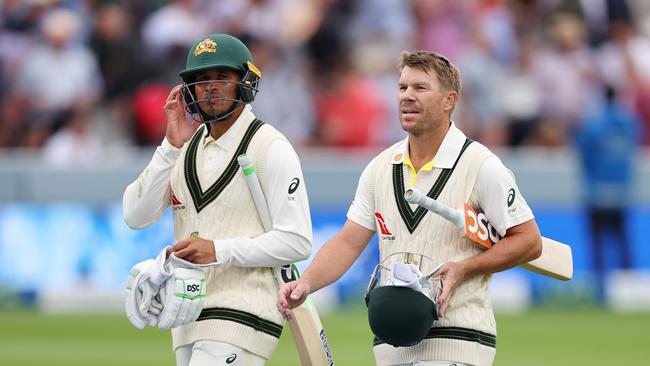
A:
[556, 260]
[306, 327]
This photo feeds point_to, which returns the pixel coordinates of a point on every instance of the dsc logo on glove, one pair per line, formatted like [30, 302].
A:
[192, 288]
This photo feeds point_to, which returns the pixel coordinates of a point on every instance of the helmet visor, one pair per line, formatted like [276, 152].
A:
[214, 103]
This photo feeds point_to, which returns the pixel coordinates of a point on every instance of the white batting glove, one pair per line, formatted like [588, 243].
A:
[150, 301]
[160, 271]
[146, 297]
[143, 303]
[165, 291]
[183, 295]
[133, 292]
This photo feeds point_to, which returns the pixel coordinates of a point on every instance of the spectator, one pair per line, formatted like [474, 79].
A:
[521, 99]
[566, 76]
[170, 30]
[377, 38]
[293, 110]
[643, 106]
[606, 143]
[348, 108]
[73, 144]
[12, 112]
[624, 59]
[118, 52]
[58, 74]
[440, 26]
[483, 117]
[149, 116]
[547, 83]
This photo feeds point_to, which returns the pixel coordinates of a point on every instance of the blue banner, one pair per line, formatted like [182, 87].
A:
[60, 246]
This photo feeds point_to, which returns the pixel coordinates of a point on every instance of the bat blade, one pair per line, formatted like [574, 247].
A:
[556, 261]
[309, 336]
[478, 229]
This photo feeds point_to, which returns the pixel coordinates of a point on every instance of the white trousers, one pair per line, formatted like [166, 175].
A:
[213, 353]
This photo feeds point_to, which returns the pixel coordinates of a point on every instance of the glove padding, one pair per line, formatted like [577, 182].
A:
[143, 302]
[165, 292]
[140, 304]
[160, 271]
[182, 295]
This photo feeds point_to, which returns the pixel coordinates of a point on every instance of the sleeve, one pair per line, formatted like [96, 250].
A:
[497, 194]
[362, 209]
[290, 240]
[147, 197]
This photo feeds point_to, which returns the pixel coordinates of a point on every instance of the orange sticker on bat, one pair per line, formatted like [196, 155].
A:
[478, 229]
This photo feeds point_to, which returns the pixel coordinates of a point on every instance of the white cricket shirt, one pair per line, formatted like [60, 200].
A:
[495, 191]
[146, 198]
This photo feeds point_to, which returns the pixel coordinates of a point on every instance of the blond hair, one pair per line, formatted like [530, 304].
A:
[427, 61]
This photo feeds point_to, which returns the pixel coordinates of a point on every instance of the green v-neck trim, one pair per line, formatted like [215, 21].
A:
[413, 218]
[202, 198]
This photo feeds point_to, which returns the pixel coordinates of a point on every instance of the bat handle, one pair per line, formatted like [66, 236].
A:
[256, 191]
[284, 273]
[456, 217]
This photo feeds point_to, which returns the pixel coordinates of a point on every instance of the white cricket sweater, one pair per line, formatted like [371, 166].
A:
[467, 334]
[240, 301]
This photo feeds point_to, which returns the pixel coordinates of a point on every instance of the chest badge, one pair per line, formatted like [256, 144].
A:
[176, 203]
[383, 228]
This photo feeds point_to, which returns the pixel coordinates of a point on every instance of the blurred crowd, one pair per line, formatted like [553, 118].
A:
[77, 76]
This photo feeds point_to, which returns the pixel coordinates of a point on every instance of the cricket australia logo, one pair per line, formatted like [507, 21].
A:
[385, 233]
[176, 204]
[206, 45]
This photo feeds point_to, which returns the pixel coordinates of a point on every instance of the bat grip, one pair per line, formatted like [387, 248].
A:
[263, 211]
[456, 217]
[256, 191]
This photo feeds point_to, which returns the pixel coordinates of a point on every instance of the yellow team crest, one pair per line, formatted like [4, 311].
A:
[206, 45]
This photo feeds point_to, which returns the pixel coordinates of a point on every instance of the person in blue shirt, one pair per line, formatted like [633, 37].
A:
[606, 142]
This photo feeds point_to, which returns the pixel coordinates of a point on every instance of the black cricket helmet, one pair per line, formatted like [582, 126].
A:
[220, 51]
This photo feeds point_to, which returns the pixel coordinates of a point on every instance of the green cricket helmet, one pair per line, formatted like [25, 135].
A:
[220, 51]
[400, 316]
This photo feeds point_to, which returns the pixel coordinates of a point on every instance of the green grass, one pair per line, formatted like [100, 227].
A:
[551, 337]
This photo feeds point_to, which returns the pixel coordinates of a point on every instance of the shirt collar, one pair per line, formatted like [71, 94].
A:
[447, 153]
[230, 140]
[401, 152]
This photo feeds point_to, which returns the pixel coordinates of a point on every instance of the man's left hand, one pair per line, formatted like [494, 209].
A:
[196, 250]
[453, 274]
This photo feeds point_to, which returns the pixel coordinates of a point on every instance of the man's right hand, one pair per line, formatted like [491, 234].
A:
[291, 295]
[179, 130]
